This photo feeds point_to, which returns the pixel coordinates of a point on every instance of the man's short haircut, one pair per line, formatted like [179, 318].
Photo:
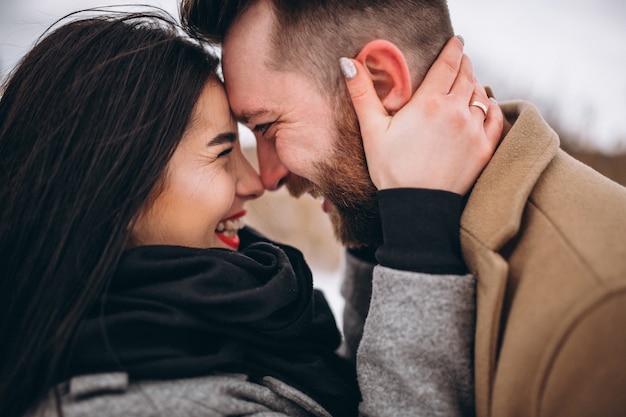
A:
[309, 36]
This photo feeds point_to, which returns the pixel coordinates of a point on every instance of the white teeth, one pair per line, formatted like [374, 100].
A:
[230, 227]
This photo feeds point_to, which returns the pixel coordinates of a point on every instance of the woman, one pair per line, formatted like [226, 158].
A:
[127, 284]
[117, 140]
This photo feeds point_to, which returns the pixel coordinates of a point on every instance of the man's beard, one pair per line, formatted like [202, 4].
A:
[343, 179]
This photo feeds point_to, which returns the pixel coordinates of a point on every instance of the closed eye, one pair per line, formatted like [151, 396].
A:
[262, 128]
[225, 152]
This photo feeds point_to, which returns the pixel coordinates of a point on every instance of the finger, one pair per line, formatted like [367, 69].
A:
[479, 103]
[367, 105]
[465, 82]
[489, 92]
[494, 122]
[445, 69]
[479, 108]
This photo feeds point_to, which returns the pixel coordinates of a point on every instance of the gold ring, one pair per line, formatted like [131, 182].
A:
[480, 105]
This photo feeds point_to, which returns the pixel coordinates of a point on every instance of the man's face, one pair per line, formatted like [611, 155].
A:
[304, 139]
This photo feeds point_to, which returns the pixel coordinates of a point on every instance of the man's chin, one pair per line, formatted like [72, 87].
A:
[356, 224]
[354, 228]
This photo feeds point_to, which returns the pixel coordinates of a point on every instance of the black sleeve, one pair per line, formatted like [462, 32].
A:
[421, 231]
[365, 254]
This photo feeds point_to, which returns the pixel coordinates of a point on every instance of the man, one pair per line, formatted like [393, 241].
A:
[438, 382]
[544, 234]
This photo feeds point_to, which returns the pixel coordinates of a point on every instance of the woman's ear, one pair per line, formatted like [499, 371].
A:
[389, 72]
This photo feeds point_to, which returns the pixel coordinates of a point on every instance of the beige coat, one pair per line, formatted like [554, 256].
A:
[546, 237]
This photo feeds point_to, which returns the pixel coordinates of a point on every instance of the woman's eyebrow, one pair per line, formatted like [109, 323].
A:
[222, 138]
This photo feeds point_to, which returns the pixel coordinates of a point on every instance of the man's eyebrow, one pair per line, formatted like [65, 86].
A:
[222, 138]
[245, 116]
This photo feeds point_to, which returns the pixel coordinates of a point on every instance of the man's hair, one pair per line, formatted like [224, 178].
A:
[88, 122]
[310, 36]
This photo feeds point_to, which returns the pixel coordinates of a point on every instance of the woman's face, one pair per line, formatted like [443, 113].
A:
[206, 183]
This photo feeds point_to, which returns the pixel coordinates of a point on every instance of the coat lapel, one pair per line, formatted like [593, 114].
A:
[492, 218]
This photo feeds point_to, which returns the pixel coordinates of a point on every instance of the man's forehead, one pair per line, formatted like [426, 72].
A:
[249, 86]
[247, 78]
[244, 116]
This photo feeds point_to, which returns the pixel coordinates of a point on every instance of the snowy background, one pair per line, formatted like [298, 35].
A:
[567, 56]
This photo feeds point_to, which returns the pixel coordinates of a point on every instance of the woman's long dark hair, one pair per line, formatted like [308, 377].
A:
[88, 122]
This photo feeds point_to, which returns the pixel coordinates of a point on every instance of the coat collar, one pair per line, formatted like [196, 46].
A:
[494, 210]
[492, 217]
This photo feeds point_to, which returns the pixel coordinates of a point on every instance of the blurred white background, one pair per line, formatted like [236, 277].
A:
[567, 56]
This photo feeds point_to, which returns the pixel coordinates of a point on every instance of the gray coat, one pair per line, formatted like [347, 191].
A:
[414, 358]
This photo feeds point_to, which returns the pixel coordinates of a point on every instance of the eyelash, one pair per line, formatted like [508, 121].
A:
[262, 128]
[225, 152]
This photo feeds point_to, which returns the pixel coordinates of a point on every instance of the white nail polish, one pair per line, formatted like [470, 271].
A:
[347, 67]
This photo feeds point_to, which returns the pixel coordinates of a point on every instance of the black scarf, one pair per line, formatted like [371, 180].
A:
[174, 312]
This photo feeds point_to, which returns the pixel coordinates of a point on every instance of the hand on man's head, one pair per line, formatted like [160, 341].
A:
[438, 140]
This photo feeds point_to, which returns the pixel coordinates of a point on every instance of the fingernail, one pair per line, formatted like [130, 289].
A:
[461, 39]
[347, 67]
[493, 99]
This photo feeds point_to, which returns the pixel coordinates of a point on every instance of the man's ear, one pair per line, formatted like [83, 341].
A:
[389, 71]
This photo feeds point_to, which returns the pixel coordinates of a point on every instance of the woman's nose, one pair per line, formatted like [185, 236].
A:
[249, 183]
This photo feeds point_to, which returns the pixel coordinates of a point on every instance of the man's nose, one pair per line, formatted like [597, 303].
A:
[273, 172]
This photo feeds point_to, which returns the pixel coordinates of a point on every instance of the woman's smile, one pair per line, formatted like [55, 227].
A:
[227, 229]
